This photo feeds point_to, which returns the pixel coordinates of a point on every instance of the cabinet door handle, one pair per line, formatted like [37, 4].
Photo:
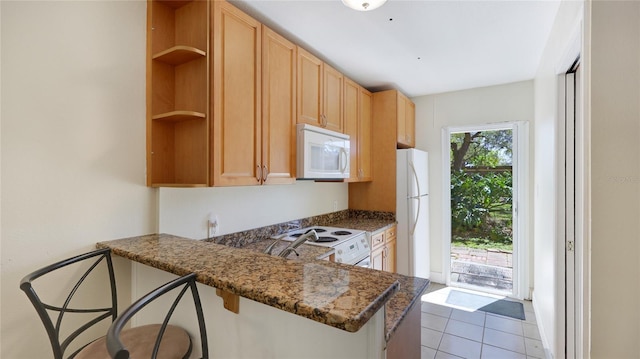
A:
[265, 173]
[259, 173]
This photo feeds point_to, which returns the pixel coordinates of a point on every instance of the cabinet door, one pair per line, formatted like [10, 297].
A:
[406, 118]
[279, 65]
[309, 88]
[364, 136]
[390, 255]
[377, 258]
[410, 123]
[332, 99]
[401, 120]
[236, 79]
[351, 94]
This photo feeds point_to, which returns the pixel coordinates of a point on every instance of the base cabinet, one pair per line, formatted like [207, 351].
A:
[377, 258]
[405, 342]
[383, 250]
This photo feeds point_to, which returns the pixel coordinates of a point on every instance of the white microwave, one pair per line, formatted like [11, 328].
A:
[321, 153]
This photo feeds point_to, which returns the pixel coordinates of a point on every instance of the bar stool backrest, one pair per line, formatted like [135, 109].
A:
[116, 347]
[46, 311]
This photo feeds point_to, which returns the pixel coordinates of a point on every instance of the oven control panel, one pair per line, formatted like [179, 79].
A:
[352, 250]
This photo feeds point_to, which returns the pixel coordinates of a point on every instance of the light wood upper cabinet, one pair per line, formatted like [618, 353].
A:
[333, 82]
[351, 99]
[279, 64]
[309, 96]
[364, 135]
[177, 96]
[391, 111]
[224, 94]
[357, 124]
[319, 96]
[406, 116]
[236, 106]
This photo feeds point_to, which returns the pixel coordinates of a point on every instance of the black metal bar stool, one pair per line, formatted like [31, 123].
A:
[53, 315]
[117, 339]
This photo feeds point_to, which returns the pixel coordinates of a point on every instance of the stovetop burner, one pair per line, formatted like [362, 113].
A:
[325, 239]
[318, 230]
[341, 233]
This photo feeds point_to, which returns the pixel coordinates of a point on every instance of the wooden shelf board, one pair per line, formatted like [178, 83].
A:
[179, 116]
[179, 185]
[180, 54]
[174, 4]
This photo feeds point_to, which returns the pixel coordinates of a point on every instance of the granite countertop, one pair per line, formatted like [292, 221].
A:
[341, 296]
[409, 293]
[411, 288]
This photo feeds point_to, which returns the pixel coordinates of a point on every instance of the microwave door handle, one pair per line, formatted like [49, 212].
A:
[343, 152]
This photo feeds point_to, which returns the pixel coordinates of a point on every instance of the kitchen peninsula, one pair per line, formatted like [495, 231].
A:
[346, 300]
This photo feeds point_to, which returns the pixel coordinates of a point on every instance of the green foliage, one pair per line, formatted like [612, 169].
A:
[481, 205]
[487, 148]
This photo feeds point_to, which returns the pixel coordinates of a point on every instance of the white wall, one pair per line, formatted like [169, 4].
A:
[495, 104]
[261, 331]
[184, 211]
[73, 148]
[615, 179]
[547, 280]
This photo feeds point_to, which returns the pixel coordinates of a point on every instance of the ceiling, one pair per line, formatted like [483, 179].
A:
[419, 47]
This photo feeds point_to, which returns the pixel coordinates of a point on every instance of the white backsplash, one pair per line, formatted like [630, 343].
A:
[184, 211]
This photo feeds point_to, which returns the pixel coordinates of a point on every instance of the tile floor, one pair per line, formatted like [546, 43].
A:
[449, 332]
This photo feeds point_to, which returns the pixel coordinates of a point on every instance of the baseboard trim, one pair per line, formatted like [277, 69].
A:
[543, 336]
[437, 277]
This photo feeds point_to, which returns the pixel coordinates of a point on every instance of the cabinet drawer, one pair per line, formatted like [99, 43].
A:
[377, 240]
[390, 233]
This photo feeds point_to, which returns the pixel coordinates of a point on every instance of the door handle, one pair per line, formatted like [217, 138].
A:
[415, 175]
[343, 152]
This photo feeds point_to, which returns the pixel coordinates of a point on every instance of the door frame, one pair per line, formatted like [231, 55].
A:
[573, 304]
[521, 243]
[573, 218]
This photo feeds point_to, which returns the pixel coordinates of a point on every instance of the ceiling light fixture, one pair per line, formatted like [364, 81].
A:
[364, 5]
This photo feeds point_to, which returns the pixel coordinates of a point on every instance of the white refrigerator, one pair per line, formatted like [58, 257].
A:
[412, 213]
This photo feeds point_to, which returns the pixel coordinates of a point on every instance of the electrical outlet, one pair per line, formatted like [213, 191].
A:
[212, 224]
[335, 205]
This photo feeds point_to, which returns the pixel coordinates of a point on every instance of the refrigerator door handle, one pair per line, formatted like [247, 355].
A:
[415, 175]
[415, 220]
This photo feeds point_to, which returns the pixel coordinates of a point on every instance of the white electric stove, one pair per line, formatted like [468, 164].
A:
[351, 245]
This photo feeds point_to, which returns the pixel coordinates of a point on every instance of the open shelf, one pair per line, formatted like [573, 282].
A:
[174, 4]
[179, 153]
[178, 55]
[179, 185]
[178, 120]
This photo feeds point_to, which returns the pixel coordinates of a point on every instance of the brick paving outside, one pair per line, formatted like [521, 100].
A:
[490, 268]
